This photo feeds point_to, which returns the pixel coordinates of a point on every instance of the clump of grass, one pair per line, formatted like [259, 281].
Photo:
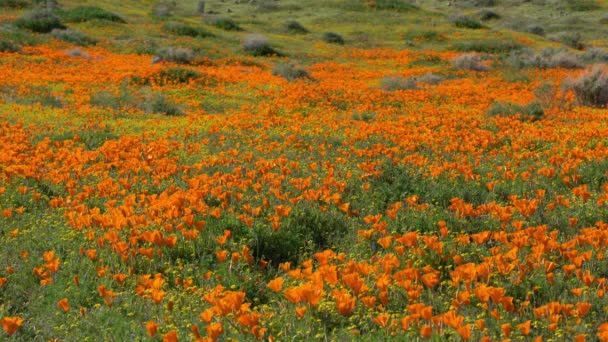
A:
[226, 24]
[258, 45]
[470, 61]
[159, 104]
[164, 8]
[582, 5]
[591, 88]
[532, 111]
[14, 4]
[290, 72]
[571, 39]
[536, 29]
[294, 26]
[9, 46]
[106, 99]
[180, 29]
[168, 76]
[332, 38]
[548, 58]
[463, 21]
[363, 116]
[595, 55]
[430, 78]
[393, 83]
[486, 15]
[494, 46]
[40, 21]
[88, 13]
[176, 55]
[73, 36]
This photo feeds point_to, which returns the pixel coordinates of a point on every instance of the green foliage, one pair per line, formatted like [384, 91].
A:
[159, 104]
[168, 76]
[40, 21]
[547, 58]
[14, 4]
[294, 26]
[530, 112]
[536, 29]
[392, 83]
[88, 13]
[486, 15]
[227, 24]
[388, 5]
[289, 71]
[9, 46]
[307, 229]
[92, 138]
[332, 38]
[470, 61]
[258, 45]
[176, 55]
[582, 5]
[180, 29]
[572, 39]
[487, 45]
[73, 36]
[463, 21]
[591, 88]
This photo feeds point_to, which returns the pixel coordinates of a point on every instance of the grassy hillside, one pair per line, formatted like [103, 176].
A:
[287, 170]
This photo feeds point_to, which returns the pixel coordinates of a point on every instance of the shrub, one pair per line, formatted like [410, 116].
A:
[392, 83]
[41, 21]
[180, 29]
[258, 45]
[532, 111]
[485, 3]
[73, 36]
[176, 55]
[159, 104]
[595, 55]
[604, 19]
[164, 8]
[470, 61]
[486, 15]
[555, 58]
[582, 5]
[106, 99]
[395, 5]
[169, 76]
[289, 72]
[227, 24]
[463, 21]
[488, 46]
[572, 39]
[430, 78]
[8, 46]
[14, 3]
[200, 6]
[88, 13]
[295, 27]
[536, 29]
[332, 38]
[364, 116]
[591, 88]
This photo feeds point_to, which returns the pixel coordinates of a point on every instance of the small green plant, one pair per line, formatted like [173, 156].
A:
[289, 71]
[180, 29]
[164, 8]
[9, 46]
[40, 21]
[470, 61]
[583, 5]
[572, 39]
[463, 21]
[494, 46]
[530, 112]
[176, 55]
[168, 76]
[14, 4]
[294, 26]
[536, 29]
[88, 13]
[486, 14]
[363, 116]
[332, 38]
[393, 83]
[73, 36]
[200, 6]
[160, 104]
[227, 24]
[591, 88]
[258, 45]
[595, 55]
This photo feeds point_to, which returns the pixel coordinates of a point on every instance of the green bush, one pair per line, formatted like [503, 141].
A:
[393, 83]
[591, 88]
[572, 39]
[14, 4]
[169, 76]
[470, 61]
[531, 112]
[463, 21]
[388, 5]
[159, 104]
[486, 15]
[293, 26]
[258, 45]
[8, 46]
[180, 29]
[88, 13]
[40, 21]
[73, 36]
[289, 72]
[536, 29]
[582, 5]
[547, 58]
[595, 55]
[332, 38]
[494, 46]
[176, 55]
[227, 24]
